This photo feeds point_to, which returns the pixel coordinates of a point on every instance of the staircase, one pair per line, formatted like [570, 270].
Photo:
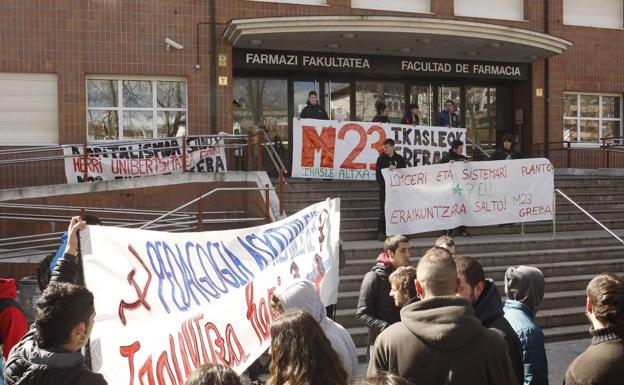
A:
[579, 251]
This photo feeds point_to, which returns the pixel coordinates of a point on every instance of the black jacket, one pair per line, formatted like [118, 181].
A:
[601, 363]
[381, 119]
[376, 309]
[501, 154]
[385, 161]
[447, 119]
[29, 364]
[451, 155]
[489, 309]
[313, 111]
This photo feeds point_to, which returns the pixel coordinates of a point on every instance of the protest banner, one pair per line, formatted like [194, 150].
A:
[168, 302]
[330, 149]
[445, 196]
[108, 162]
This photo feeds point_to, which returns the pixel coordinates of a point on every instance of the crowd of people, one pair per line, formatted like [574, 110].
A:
[439, 322]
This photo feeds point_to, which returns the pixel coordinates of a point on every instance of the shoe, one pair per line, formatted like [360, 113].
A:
[381, 237]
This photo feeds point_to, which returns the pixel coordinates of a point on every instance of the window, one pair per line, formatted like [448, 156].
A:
[369, 94]
[491, 9]
[589, 117]
[594, 13]
[29, 109]
[135, 108]
[303, 2]
[419, 6]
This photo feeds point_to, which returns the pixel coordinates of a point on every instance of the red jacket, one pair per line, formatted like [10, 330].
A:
[13, 324]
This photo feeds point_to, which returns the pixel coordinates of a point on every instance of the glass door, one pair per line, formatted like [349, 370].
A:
[300, 94]
[338, 100]
[422, 95]
[445, 93]
[481, 116]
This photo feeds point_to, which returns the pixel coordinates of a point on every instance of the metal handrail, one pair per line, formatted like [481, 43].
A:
[150, 223]
[468, 140]
[583, 211]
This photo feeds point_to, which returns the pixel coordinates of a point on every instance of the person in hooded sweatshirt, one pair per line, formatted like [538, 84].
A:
[439, 340]
[49, 354]
[375, 308]
[602, 362]
[302, 295]
[13, 323]
[313, 110]
[524, 287]
[486, 302]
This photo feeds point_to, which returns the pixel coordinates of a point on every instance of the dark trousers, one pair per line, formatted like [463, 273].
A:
[381, 226]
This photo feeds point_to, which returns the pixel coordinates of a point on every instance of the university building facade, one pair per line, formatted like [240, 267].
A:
[81, 71]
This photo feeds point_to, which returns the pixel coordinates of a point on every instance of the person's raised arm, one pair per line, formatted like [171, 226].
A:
[67, 268]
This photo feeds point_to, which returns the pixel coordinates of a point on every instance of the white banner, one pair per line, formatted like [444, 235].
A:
[169, 302]
[108, 162]
[330, 149]
[446, 196]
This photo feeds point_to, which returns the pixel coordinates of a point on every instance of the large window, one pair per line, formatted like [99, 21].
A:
[594, 13]
[261, 104]
[135, 108]
[420, 6]
[491, 9]
[589, 117]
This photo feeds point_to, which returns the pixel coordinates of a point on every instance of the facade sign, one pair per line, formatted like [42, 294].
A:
[323, 62]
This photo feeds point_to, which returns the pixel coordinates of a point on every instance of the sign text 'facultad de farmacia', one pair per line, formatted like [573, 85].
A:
[254, 59]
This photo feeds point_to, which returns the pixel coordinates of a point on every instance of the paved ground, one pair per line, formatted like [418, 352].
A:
[560, 355]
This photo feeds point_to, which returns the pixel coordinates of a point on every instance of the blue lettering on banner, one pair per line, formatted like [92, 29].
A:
[180, 285]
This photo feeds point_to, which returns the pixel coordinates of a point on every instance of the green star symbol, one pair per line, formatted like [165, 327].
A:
[457, 190]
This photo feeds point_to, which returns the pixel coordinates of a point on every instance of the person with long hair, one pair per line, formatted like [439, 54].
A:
[213, 374]
[50, 353]
[601, 363]
[411, 116]
[301, 353]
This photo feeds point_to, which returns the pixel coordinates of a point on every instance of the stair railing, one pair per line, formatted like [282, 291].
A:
[554, 225]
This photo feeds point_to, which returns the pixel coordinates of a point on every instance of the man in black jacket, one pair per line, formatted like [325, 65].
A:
[388, 159]
[507, 152]
[376, 308]
[30, 363]
[313, 110]
[486, 301]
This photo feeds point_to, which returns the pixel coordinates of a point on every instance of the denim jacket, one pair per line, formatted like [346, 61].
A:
[532, 340]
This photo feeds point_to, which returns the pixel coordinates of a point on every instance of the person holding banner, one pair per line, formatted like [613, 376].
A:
[411, 116]
[382, 113]
[388, 159]
[456, 155]
[301, 353]
[448, 117]
[313, 110]
[213, 374]
[50, 353]
[507, 152]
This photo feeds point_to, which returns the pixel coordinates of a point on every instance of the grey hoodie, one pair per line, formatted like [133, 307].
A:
[302, 295]
[440, 341]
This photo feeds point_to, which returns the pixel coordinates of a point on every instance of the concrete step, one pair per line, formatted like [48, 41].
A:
[584, 188]
[351, 283]
[320, 194]
[564, 268]
[362, 265]
[490, 244]
[532, 227]
[562, 182]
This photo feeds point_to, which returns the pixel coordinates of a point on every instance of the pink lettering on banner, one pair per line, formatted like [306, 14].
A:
[535, 211]
[485, 173]
[432, 212]
[408, 180]
[141, 294]
[259, 315]
[193, 339]
[94, 165]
